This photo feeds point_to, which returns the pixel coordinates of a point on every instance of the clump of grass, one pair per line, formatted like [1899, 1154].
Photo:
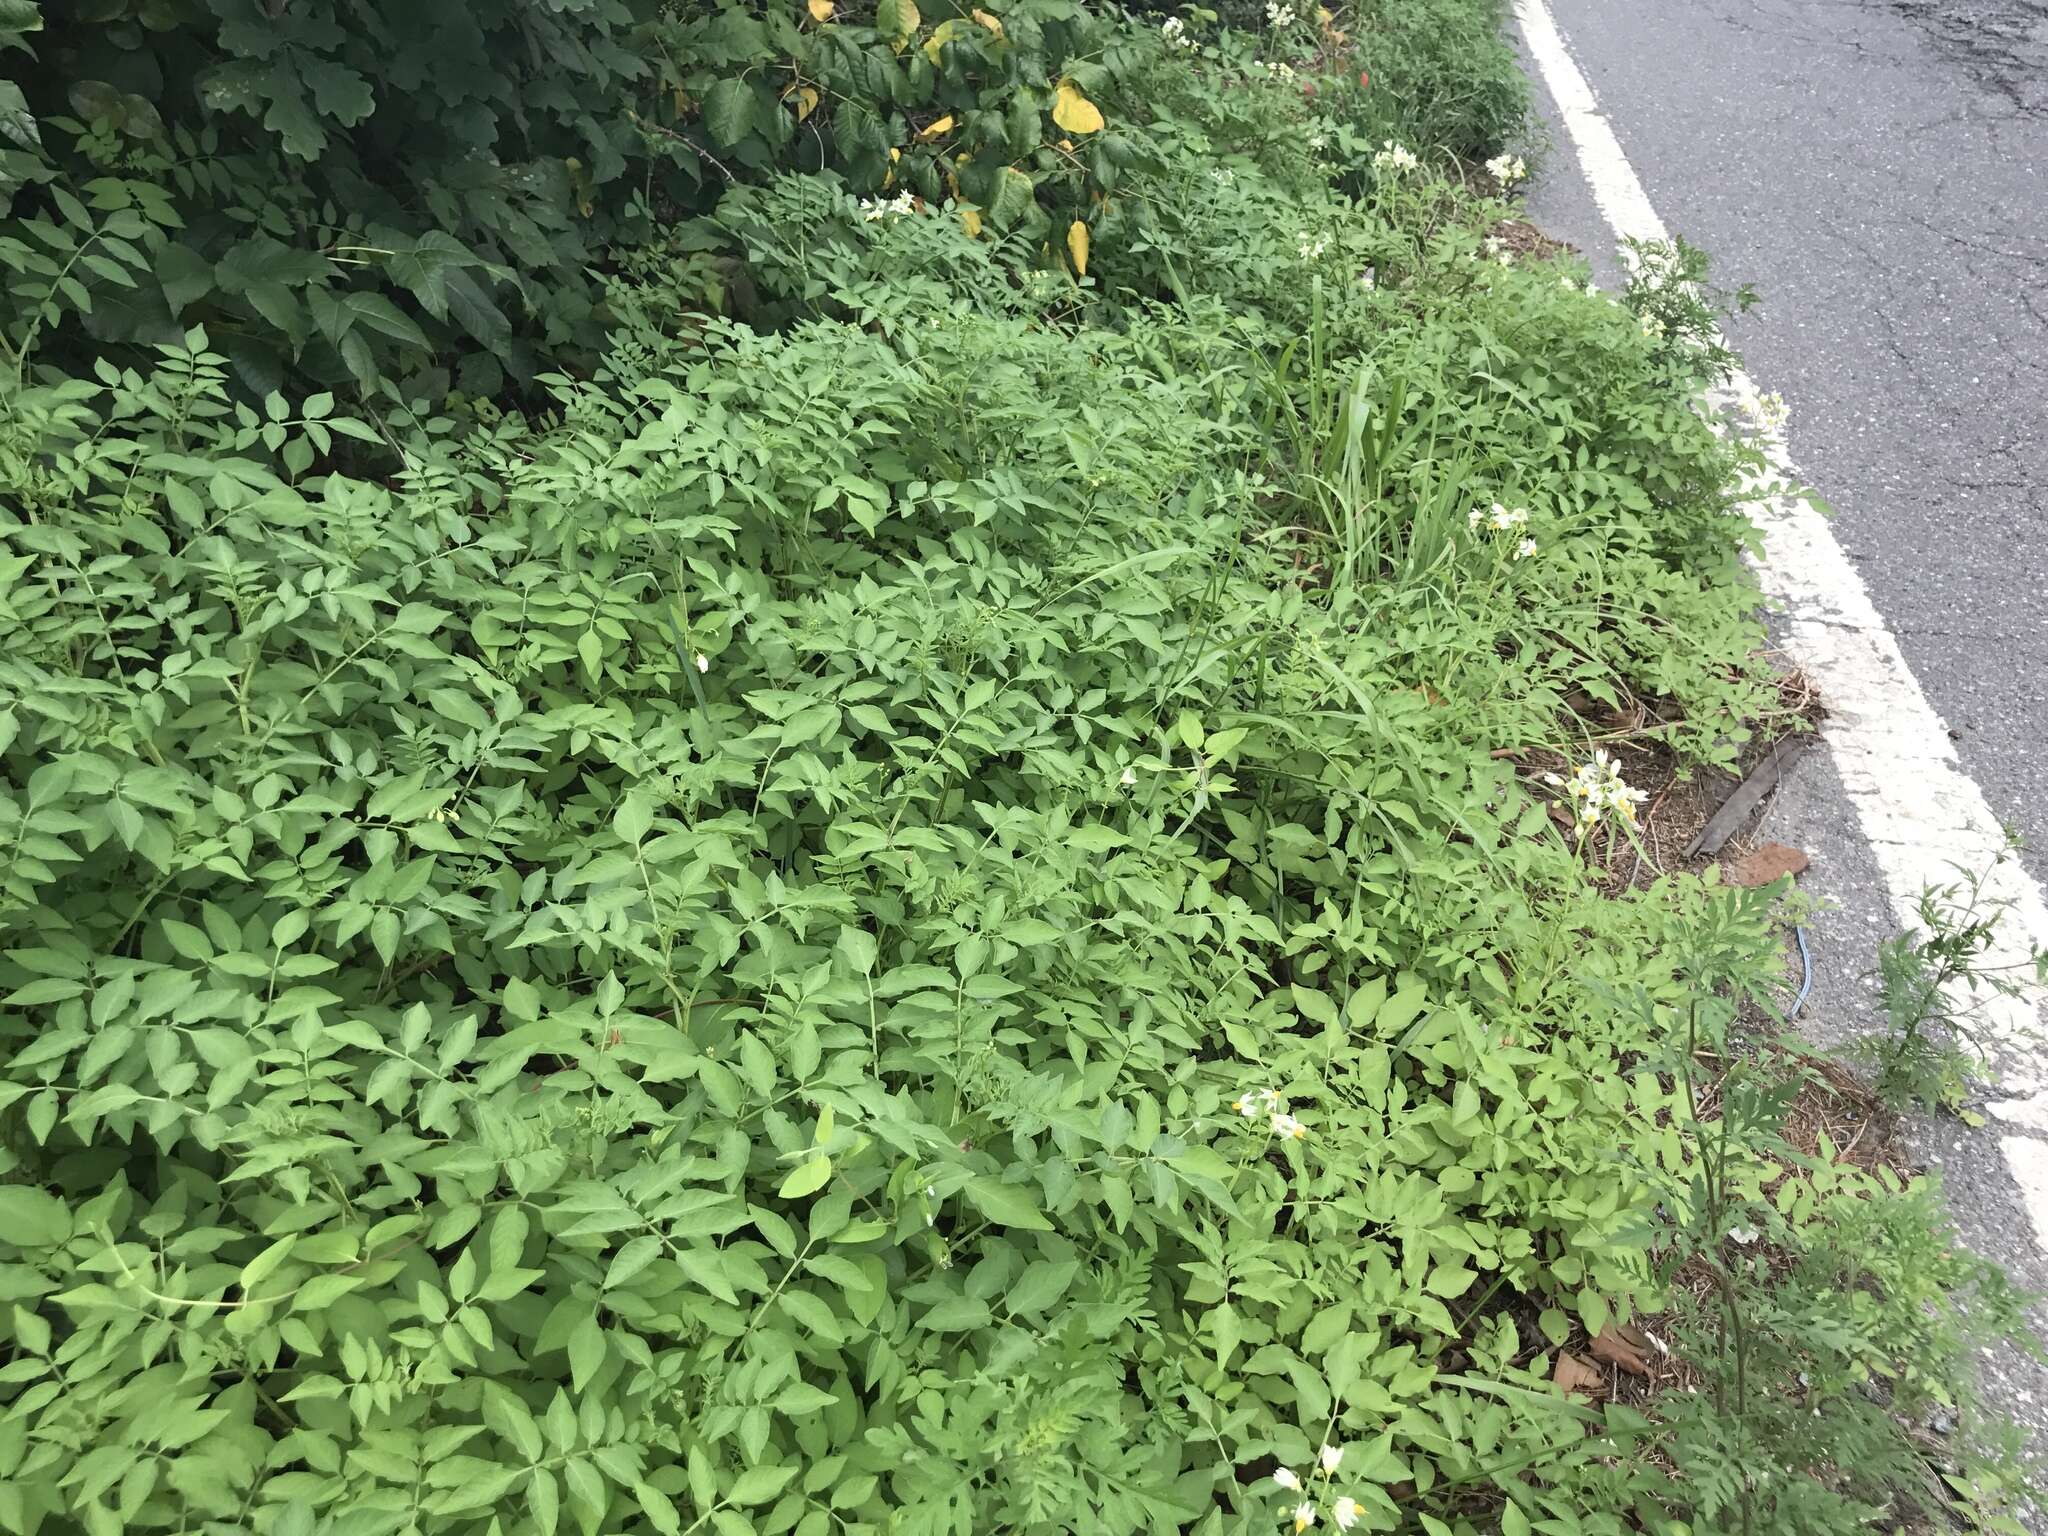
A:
[1943, 987]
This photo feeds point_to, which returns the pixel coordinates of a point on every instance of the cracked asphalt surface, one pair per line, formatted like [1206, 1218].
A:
[1879, 170]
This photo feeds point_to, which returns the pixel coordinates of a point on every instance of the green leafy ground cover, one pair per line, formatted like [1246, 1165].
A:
[900, 894]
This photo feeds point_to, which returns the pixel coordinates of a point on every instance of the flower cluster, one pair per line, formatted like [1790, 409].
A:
[1175, 31]
[1770, 409]
[1597, 790]
[1344, 1512]
[1369, 278]
[1500, 519]
[1312, 246]
[1653, 327]
[1507, 169]
[1267, 1101]
[1319, 140]
[1394, 157]
[1279, 70]
[1497, 517]
[1279, 14]
[875, 209]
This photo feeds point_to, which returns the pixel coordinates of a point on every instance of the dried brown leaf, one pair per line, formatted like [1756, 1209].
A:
[1574, 1375]
[1624, 1346]
[1760, 866]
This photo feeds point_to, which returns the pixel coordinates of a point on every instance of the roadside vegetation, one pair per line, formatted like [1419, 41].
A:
[807, 767]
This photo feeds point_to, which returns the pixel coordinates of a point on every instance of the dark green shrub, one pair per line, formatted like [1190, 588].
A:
[282, 174]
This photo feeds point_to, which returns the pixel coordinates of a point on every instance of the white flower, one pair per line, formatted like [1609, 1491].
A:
[1652, 327]
[1311, 246]
[1504, 519]
[1256, 1102]
[1304, 1516]
[1570, 286]
[1495, 245]
[1369, 278]
[1600, 790]
[1280, 15]
[1319, 140]
[1291, 1128]
[1743, 1235]
[874, 209]
[1345, 1513]
[1223, 174]
[1280, 71]
[1329, 1457]
[1175, 31]
[1771, 408]
[1525, 549]
[1475, 517]
[1394, 157]
[1128, 777]
[1285, 1477]
[1592, 289]
[703, 662]
[1507, 169]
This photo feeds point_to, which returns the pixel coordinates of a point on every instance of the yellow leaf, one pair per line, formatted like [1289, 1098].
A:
[1066, 146]
[897, 19]
[970, 219]
[933, 130]
[1075, 112]
[806, 100]
[1077, 247]
[946, 29]
[990, 22]
[821, 10]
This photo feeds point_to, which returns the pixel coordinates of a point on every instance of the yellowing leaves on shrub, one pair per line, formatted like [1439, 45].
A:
[806, 98]
[941, 34]
[896, 19]
[933, 130]
[1077, 247]
[990, 22]
[821, 10]
[970, 220]
[1075, 112]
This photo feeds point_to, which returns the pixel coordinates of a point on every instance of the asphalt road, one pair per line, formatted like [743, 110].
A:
[1879, 170]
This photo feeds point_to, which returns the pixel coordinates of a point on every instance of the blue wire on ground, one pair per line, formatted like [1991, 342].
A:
[1806, 979]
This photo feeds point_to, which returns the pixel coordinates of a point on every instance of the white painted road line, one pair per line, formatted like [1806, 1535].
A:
[1922, 815]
